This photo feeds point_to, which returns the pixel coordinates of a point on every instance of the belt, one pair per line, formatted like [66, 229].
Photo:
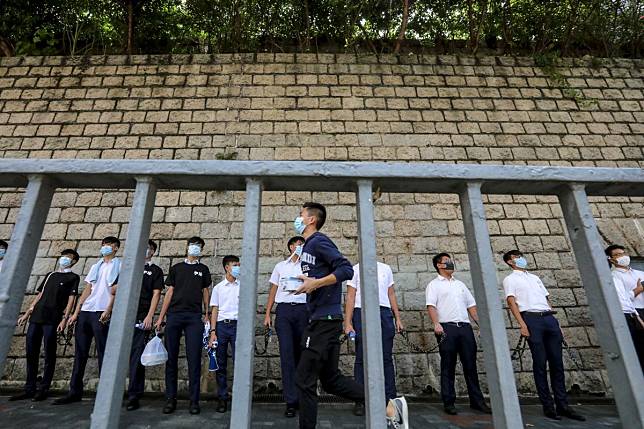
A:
[329, 317]
[228, 321]
[539, 313]
[291, 303]
[457, 324]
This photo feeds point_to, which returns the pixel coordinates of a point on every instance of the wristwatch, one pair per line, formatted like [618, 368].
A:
[212, 330]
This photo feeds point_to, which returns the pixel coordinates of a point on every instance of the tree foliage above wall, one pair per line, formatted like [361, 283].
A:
[527, 27]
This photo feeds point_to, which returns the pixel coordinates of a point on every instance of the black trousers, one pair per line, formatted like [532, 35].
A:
[191, 325]
[88, 327]
[37, 333]
[637, 335]
[137, 371]
[319, 360]
[460, 343]
[545, 342]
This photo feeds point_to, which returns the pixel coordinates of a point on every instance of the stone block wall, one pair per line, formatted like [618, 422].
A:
[420, 109]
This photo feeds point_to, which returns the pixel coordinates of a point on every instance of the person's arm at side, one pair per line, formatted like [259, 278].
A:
[68, 309]
[164, 307]
[25, 317]
[394, 308]
[156, 297]
[214, 312]
[349, 305]
[107, 313]
[433, 315]
[269, 305]
[83, 297]
[514, 309]
[206, 301]
[473, 314]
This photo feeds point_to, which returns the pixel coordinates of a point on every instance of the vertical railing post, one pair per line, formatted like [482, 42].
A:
[20, 256]
[107, 408]
[241, 413]
[372, 330]
[612, 332]
[496, 352]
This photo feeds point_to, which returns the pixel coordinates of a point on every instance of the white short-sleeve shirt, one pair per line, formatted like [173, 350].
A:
[528, 291]
[629, 277]
[385, 281]
[625, 295]
[284, 269]
[99, 299]
[451, 298]
[225, 296]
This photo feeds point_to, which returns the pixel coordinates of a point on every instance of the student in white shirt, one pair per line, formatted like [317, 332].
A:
[628, 283]
[224, 305]
[390, 324]
[92, 315]
[528, 301]
[450, 305]
[3, 251]
[291, 318]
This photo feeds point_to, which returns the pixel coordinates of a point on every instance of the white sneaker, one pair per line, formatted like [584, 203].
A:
[400, 419]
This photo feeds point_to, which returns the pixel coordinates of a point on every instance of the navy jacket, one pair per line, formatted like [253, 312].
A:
[320, 257]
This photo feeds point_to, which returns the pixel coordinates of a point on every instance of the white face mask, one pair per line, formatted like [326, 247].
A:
[194, 250]
[624, 261]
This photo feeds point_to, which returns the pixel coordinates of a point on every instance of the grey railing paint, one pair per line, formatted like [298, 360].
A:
[470, 182]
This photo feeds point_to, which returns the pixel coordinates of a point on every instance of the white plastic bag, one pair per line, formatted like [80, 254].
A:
[154, 352]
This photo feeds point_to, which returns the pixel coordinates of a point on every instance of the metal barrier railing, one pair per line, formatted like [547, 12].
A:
[571, 185]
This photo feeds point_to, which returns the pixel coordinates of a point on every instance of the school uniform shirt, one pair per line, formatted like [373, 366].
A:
[1, 261]
[528, 291]
[320, 257]
[99, 299]
[385, 281]
[451, 298]
[152, 280]
[189, 280]
[629, 277]
[284, 269]
[625, 295]
[56, 289]
[225, 296]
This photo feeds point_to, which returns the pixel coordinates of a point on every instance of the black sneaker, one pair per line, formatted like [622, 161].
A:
[40, 395]
[22, 396]
[400, 418]
[194, 408]
[358, 409]
[450, 409]
[290, 411]
[571, 414]
[170, 406]
[551, 414]
[222, 406]
[67, 399]
[482, 408]
[132, 404]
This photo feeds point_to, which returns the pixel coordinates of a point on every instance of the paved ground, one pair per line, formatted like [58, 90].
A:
[27, 415]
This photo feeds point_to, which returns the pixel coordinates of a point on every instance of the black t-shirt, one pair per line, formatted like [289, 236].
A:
[57, 287]
[152, 280]
[188, 280]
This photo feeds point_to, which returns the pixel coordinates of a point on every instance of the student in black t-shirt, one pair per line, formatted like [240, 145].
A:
[47, 315]
[151, 287]
[186, 305]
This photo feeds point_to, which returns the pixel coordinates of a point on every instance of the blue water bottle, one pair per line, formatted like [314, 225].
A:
[212, 354]
[352, 335]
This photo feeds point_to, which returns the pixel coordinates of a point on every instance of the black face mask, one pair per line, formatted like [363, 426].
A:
[449, 265]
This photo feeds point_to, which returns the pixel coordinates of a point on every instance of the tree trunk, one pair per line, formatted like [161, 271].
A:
[130, 26]
[6, 49]
[403, 26]
[507, 27]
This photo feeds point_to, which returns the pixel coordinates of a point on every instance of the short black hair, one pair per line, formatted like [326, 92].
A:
[609, 250]
[317, 210]
[71, 252]
[152, 244]
[293, 240]
[507, 256]
[111, 240]
[3, 244]
[228, 259]
[196, 240]
[436, 259]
